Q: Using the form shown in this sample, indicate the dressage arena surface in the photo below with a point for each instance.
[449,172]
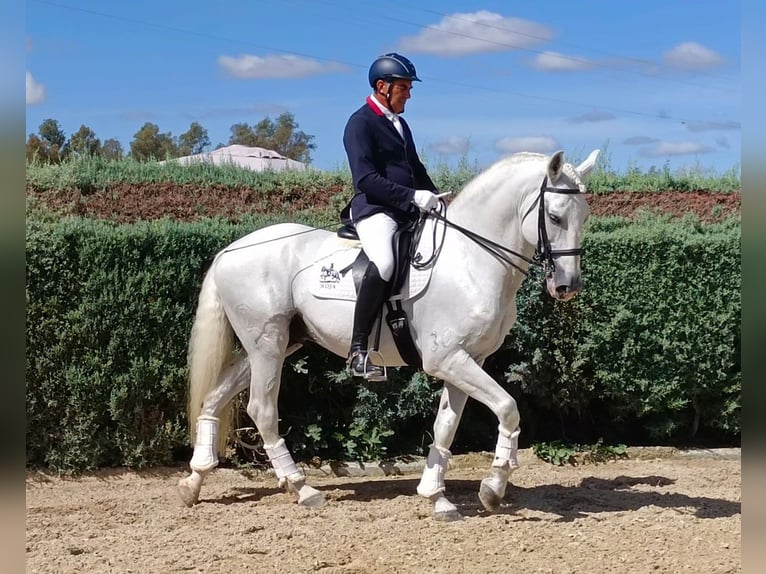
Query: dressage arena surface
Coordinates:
[658,511]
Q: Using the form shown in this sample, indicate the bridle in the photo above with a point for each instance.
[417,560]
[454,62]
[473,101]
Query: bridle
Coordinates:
[543,256]
[543,252]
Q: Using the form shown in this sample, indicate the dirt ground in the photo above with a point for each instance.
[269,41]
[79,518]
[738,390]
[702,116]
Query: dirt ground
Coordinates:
[664,514]
[125,203]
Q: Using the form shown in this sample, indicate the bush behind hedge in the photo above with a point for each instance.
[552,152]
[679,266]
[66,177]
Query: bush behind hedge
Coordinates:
[648,351]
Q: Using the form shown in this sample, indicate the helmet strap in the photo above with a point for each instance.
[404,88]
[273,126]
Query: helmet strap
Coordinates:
[388,96]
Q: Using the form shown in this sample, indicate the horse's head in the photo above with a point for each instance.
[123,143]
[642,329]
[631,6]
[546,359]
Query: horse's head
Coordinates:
[553,221]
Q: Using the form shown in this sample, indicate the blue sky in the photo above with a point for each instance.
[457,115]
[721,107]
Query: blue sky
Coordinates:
[654,82]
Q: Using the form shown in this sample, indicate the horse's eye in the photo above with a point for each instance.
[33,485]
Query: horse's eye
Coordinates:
[555,219]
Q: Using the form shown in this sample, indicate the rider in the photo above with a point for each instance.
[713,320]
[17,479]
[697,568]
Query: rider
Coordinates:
[390,185]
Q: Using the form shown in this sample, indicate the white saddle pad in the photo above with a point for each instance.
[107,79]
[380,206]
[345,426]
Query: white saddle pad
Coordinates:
[331,276]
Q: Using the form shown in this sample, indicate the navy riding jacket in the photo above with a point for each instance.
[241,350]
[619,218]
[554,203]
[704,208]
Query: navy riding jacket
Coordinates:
[385,168]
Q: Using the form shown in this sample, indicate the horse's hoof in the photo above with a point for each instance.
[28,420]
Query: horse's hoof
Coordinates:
[444,510]
[313,499]
[188,494]
[447,516]
[489,498]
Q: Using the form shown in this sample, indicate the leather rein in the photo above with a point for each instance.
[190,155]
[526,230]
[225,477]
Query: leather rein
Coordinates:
[543,256]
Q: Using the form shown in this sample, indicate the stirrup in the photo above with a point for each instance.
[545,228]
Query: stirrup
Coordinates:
[369,371]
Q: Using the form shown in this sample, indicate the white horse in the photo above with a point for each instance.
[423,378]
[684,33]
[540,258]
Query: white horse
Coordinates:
[259,289]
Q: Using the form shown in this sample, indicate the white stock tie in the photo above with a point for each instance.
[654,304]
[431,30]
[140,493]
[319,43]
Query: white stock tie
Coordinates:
[397,125]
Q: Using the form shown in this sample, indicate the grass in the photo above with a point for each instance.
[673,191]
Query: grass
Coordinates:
[87,173]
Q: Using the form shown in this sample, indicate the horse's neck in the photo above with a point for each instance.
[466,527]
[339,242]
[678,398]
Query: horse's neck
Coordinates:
[493,205]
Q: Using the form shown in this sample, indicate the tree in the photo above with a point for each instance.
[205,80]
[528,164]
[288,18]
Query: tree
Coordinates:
[112,149]
[282,136]
[51,132]
[149,143]
[193,141]
[50,143]
[37,150]
[84,142]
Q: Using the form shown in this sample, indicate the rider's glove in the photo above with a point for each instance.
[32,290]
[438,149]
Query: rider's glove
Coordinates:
[425,199]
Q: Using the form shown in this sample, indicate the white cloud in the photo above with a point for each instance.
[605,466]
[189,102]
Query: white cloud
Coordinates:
[35,91]
[556,62]
[276,66]
[591,117]
[712,126]
[692,56]
[640,140]
[540,144]
[451,145]
[476,32]
[665,149]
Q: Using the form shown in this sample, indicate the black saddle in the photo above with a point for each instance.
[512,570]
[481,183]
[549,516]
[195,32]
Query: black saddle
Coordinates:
[348,231]
[397,319]
[402,243]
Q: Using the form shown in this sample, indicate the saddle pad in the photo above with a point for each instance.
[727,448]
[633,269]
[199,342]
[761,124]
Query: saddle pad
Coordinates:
[331,277]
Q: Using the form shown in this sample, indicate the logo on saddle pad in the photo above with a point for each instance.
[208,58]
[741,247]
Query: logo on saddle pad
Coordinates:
[329,275]
[332,274]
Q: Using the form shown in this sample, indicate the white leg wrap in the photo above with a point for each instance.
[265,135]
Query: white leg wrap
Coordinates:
[506,450]
[205,455]
[283,463]
[432,480]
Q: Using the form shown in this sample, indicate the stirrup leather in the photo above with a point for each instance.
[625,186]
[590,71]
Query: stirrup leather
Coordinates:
[360,365]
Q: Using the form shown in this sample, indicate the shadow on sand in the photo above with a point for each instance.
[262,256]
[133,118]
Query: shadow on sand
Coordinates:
[567,503]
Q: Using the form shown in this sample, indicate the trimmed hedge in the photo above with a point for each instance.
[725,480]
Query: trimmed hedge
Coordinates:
[648,351]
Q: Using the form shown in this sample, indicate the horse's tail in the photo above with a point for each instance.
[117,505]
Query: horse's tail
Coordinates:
[210,347]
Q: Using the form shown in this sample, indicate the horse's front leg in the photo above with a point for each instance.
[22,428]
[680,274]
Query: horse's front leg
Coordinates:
[432,482]
[460,370]
[492,488]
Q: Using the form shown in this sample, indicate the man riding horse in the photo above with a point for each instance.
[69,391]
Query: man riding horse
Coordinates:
[390,186]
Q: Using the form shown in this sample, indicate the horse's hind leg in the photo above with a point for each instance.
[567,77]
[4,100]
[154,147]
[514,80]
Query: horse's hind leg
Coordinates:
[432,482]
[231,382]
[266,369]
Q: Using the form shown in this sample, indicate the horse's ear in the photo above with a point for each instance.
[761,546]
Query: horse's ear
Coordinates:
[555,164]
[584,168]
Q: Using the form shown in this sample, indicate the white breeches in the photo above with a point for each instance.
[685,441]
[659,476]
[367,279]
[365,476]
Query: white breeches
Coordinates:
[376,234]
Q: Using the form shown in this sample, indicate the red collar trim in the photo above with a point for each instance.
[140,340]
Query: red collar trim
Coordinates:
[374,106]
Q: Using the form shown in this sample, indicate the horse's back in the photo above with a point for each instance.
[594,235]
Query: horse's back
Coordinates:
[287,233]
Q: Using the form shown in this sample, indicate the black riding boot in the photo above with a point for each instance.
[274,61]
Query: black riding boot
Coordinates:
[373,292]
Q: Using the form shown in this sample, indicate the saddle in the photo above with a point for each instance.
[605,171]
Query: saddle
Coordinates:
[402,243]
[396,318]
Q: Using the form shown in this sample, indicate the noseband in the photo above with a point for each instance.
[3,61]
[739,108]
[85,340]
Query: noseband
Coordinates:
[543,256]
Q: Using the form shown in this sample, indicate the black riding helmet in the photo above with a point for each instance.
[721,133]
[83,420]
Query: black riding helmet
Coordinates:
[393,66]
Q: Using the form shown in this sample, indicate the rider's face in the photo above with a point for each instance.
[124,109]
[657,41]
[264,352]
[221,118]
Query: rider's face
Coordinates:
[400,93]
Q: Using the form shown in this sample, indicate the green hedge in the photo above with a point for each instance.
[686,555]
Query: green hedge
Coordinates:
[650,348]
[649,351]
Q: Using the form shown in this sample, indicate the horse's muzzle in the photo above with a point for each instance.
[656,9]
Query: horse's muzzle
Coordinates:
[563,291]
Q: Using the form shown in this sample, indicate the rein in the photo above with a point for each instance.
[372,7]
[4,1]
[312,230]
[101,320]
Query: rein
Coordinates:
[543,256]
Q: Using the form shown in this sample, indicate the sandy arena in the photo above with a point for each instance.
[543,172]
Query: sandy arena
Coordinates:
[655,512]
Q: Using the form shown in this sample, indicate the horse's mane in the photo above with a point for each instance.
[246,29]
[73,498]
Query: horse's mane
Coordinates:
[477,186]
[569,170]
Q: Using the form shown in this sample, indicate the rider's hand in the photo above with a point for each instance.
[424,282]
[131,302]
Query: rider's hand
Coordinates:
[425,199]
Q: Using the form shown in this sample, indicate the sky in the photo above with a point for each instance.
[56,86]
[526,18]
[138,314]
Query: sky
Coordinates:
[650,83]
